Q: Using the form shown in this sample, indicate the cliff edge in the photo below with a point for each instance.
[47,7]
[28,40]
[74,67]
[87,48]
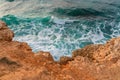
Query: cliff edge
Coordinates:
[93,62]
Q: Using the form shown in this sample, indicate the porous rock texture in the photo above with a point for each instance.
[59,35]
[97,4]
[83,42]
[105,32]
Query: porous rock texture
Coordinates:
[93,62]
[5,33]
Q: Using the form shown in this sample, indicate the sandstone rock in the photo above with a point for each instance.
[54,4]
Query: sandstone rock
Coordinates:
[5,33]
[65,59]
[46,56]
[87,51]
[108,51]
[7,66]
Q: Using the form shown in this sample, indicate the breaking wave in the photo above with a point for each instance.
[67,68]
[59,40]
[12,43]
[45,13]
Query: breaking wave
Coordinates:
[60,29]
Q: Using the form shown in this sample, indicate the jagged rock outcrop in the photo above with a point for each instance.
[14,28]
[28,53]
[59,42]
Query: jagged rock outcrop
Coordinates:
[93,62]
[5,33]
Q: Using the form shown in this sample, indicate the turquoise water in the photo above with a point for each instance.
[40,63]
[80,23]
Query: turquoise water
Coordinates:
[60,30]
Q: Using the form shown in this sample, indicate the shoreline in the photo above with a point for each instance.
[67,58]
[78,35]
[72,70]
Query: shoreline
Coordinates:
[93,62]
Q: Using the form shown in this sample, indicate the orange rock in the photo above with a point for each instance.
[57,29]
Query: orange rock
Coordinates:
[5,33]
[108,51]
[65,59]
[87,51]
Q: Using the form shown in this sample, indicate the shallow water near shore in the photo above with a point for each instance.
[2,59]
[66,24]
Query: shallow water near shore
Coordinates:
[60,29]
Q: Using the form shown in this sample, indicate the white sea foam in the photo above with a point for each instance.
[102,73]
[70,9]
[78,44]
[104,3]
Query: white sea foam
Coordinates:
[56,34]
[59,39]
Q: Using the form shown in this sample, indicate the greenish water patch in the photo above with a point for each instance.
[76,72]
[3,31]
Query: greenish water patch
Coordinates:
[78,12]
[10,0]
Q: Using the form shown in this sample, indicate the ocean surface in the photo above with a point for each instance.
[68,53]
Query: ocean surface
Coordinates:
[61,26]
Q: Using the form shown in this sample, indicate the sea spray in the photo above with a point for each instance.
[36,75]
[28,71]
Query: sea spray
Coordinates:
[61,36]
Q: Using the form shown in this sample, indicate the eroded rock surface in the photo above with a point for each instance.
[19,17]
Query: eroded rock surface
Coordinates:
[93,62]
[5,33]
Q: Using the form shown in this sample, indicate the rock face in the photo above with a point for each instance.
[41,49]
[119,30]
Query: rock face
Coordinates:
[93,62]
[5,33]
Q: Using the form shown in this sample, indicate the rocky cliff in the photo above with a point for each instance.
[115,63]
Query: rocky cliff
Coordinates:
[93,62]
